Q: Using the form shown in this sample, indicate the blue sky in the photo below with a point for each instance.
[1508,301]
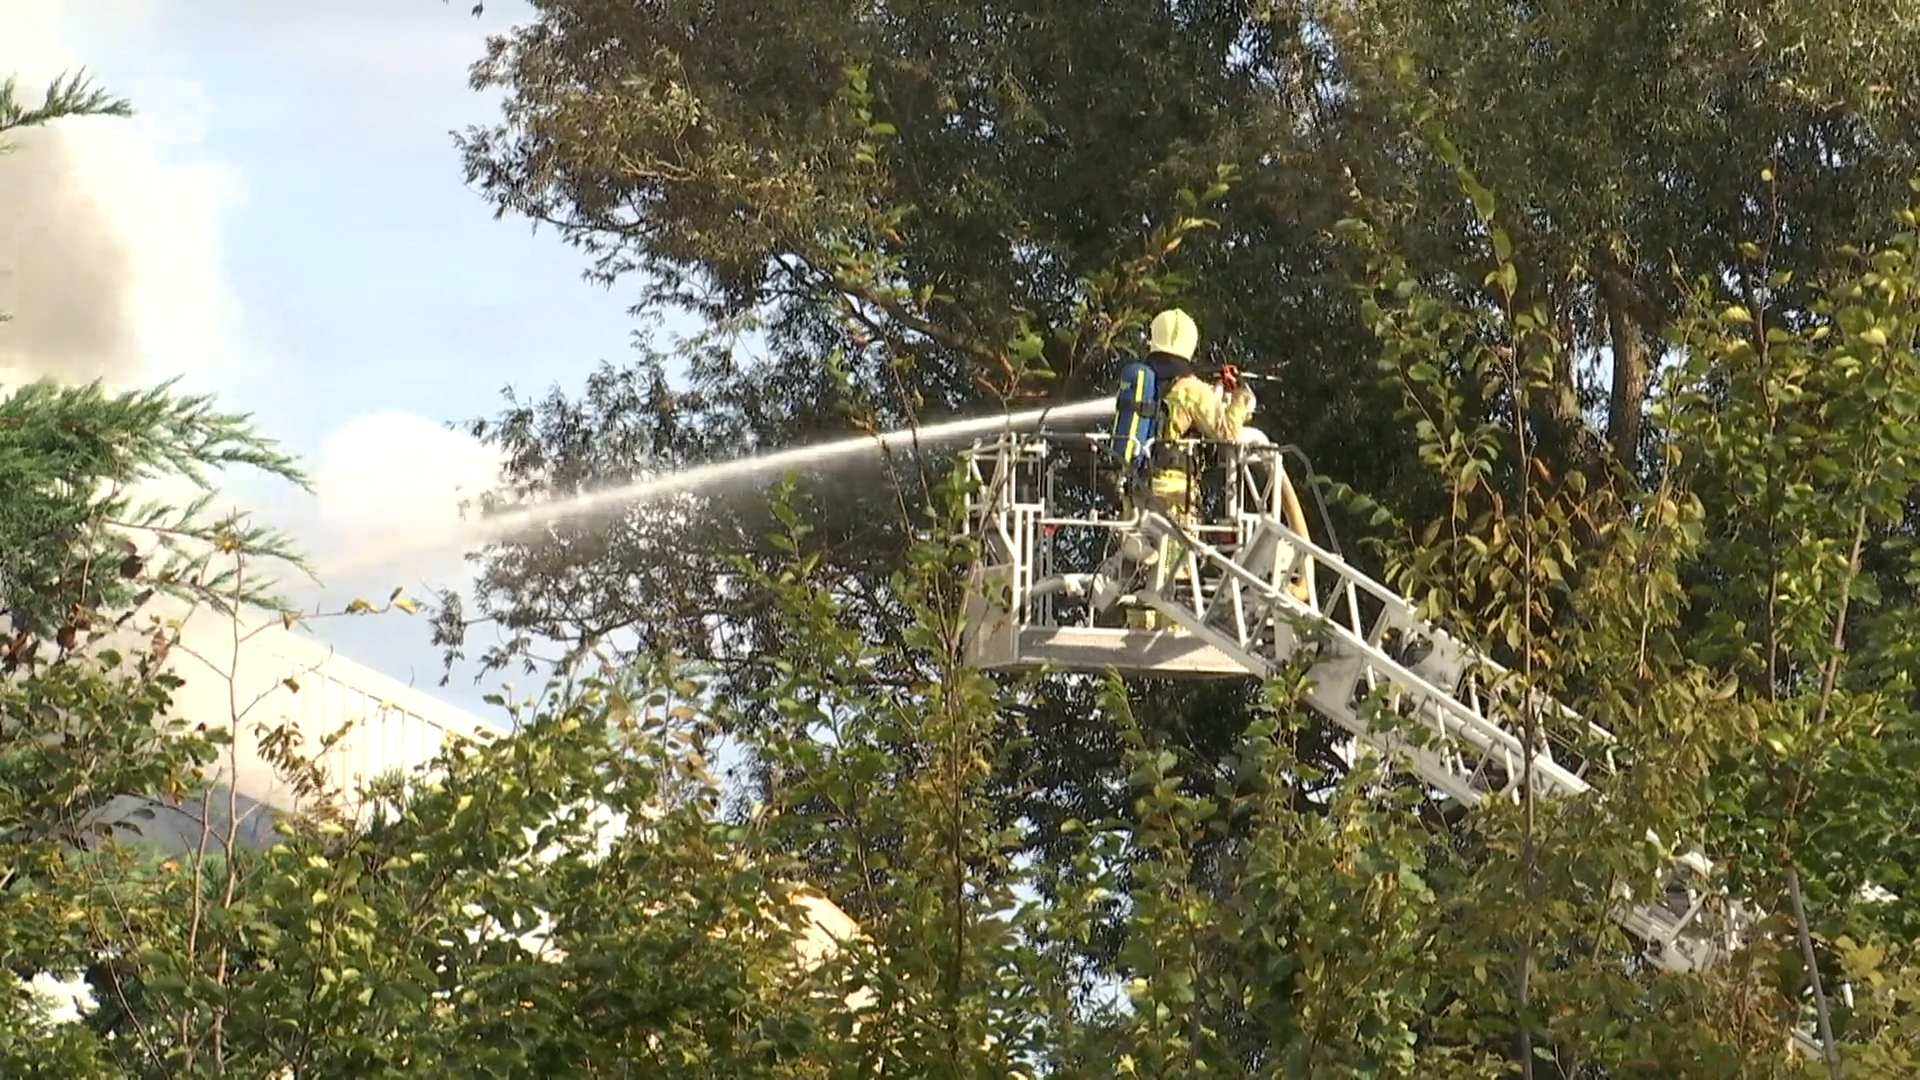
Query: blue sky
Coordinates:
[302,243]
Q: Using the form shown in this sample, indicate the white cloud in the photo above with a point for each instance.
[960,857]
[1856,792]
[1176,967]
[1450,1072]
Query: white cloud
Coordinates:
[391,481]
[113,246]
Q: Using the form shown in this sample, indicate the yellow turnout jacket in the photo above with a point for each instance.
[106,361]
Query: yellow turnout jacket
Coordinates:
[1191,409]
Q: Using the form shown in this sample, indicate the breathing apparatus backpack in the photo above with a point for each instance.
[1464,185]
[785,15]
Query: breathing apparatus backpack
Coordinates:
[1136,415]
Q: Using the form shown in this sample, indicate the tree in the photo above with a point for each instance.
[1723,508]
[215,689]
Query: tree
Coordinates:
[1017,850]
[80,725]
[942,205]
[886,225]
[937,207]
[1712,618]
[560,902]
[1628,139]
[349,948]
[81,550]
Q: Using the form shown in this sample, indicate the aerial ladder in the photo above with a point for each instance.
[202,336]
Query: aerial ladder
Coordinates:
[1249,590]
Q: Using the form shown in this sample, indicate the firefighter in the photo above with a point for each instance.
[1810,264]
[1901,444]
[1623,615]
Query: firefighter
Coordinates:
[1187,407]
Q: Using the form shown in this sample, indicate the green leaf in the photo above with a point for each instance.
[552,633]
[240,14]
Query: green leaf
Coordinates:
[1483,201]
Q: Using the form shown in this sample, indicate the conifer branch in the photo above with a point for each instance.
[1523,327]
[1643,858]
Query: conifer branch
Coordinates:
[69,95]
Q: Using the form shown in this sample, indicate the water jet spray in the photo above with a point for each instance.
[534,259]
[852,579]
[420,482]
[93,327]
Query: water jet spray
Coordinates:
[498,526]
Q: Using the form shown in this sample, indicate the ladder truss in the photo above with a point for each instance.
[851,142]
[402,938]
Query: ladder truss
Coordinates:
[1059,566]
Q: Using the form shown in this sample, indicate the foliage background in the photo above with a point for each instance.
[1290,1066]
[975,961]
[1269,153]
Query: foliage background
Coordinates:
[1603,318]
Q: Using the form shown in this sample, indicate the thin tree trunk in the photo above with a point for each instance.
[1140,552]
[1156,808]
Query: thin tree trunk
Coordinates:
[1630,372]
[1563,402]
[1828,1052]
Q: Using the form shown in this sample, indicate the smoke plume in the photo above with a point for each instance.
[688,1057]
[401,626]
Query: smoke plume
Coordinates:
[65,271]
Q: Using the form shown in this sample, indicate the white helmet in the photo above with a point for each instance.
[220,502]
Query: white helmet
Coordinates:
[1173,332]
